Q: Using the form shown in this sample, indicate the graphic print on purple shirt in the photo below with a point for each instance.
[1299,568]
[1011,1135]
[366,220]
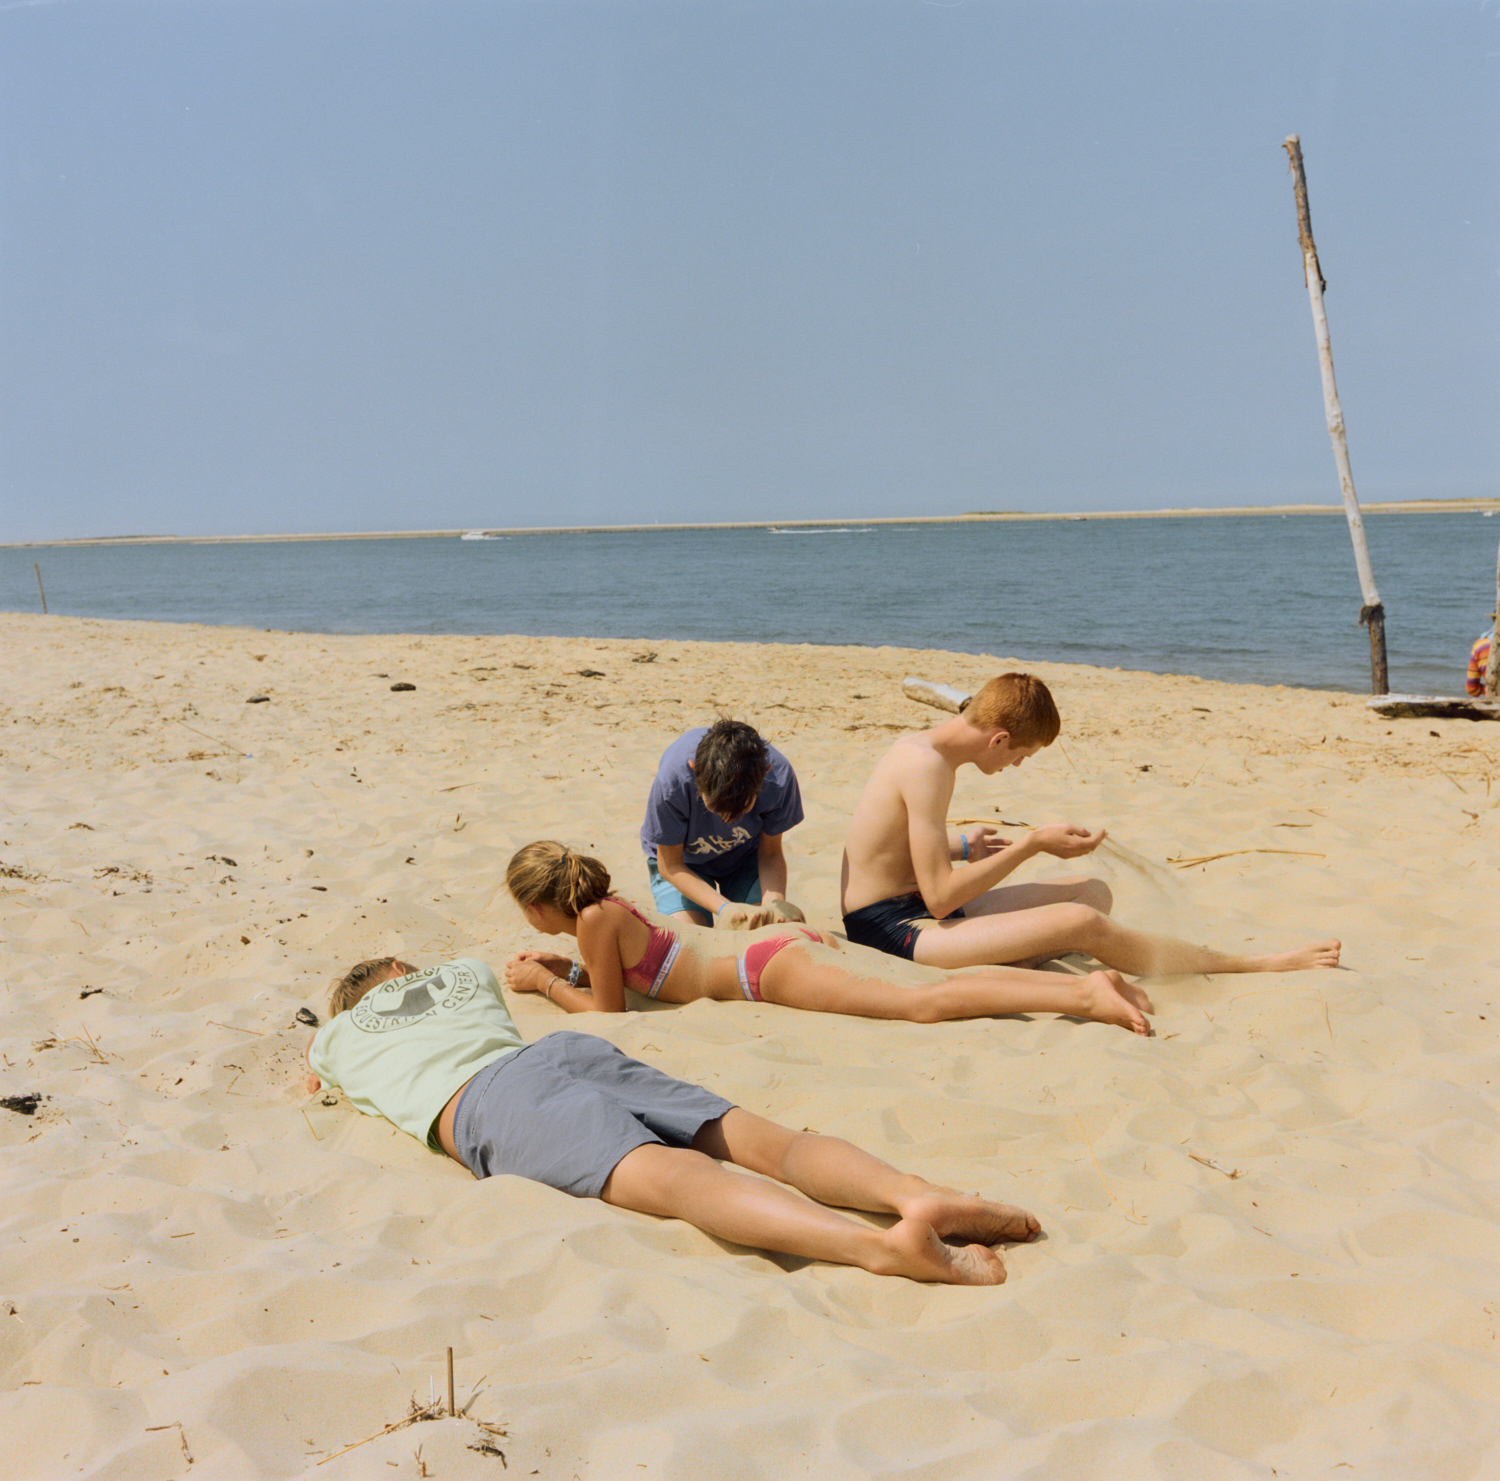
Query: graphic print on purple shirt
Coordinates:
[675,814]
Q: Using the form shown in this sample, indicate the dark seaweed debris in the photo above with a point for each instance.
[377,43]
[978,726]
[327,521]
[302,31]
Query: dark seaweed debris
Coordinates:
[22,1105]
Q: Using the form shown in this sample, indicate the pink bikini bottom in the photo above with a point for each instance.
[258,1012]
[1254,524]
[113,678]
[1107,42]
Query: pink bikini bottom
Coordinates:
[753,963]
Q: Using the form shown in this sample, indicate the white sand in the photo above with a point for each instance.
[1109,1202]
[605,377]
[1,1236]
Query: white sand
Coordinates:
[188,1241]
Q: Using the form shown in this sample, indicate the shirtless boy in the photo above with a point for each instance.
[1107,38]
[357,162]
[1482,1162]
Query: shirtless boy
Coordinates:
[915,891]
[437,1053]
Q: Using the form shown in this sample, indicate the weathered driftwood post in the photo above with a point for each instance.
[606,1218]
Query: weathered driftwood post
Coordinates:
[1372,614]
[1492,669]
[37,568]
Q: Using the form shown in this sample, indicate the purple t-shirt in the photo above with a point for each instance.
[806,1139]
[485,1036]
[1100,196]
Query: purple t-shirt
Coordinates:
[675,813]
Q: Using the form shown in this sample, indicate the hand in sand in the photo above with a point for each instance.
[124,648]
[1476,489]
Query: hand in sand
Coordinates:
[737,917]
[528,971]
[1066,840]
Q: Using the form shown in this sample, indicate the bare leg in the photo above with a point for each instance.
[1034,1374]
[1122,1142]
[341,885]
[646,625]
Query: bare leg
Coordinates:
[677,1182]
[1049,930]
[1075,890]
[837,1172]
[793,979]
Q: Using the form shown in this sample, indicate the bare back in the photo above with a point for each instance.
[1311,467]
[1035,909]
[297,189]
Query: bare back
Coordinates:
[912,783]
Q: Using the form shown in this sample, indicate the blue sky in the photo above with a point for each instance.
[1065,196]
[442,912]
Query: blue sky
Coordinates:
[351,266]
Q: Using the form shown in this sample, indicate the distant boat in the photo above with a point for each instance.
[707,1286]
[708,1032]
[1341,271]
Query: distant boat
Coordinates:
[480,535]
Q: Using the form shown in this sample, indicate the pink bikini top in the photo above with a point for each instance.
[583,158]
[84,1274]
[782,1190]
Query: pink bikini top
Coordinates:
[662,947]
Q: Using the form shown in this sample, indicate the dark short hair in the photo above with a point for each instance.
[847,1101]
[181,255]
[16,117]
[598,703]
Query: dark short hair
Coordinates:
[730,767]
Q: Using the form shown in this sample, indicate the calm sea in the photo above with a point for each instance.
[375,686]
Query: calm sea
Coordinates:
[1256,599]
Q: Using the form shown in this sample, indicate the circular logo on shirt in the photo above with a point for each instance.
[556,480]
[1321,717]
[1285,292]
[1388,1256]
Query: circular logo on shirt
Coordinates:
[407,1000]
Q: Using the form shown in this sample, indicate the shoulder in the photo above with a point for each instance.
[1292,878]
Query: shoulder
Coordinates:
[682,750]
[915,756]
[917,769]
[602,915]
[780,765]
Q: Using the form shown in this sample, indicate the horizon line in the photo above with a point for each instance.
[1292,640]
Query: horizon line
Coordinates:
[978,516]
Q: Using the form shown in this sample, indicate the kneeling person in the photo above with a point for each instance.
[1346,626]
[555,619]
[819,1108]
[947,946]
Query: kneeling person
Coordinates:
[720,803]
[436,1052]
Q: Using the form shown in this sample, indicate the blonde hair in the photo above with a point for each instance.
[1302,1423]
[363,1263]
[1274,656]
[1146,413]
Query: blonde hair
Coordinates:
[548,873]
[357,981]
[1019,704]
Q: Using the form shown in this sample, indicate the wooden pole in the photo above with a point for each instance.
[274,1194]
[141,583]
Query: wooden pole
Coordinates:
[1372,614]
[35,567]
[452,1411]
[1492,668]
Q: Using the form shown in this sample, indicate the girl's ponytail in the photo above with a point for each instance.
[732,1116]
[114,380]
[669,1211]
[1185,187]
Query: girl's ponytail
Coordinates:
[550,873]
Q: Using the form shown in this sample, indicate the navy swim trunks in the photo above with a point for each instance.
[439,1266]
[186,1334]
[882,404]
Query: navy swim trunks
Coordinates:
[891,925]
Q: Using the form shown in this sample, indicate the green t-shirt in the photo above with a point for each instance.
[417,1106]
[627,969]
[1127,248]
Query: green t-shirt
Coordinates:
[406,1047]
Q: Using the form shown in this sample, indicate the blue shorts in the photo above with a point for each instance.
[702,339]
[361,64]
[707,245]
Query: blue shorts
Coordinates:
[564,1111]
[743,886]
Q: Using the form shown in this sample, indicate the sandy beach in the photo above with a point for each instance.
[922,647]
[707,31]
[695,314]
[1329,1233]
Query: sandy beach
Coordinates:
[1271,1230]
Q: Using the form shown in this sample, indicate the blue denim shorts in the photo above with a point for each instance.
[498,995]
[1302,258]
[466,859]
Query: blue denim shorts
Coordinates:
[743,886]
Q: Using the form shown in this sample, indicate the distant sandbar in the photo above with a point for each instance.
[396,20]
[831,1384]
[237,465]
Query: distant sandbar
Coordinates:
[982,516]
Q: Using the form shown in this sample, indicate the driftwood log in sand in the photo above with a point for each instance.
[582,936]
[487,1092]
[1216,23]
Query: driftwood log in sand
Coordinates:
[943,696]
[1434,706]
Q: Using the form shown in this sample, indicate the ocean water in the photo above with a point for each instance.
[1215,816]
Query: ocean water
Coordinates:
[1253,599]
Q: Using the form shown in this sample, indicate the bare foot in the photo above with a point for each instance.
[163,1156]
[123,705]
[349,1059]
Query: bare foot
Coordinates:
[967,1216]
[912,1248]
[1109,998]
[1317,954]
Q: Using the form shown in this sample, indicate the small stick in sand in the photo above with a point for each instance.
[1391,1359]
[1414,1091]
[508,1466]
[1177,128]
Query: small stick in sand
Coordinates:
[452,1411]
[100,1057]
[1235,852]
[215,739]
[259,1033]
[418,1413]
[310,1126]
[176,1424]
[1316,992]
[1217,1166]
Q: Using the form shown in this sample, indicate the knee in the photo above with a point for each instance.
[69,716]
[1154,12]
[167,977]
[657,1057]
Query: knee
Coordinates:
[1083,923]
[928,1007]
[922,1009]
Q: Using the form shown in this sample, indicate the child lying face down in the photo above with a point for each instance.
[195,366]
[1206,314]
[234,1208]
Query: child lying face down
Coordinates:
[435,1051]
